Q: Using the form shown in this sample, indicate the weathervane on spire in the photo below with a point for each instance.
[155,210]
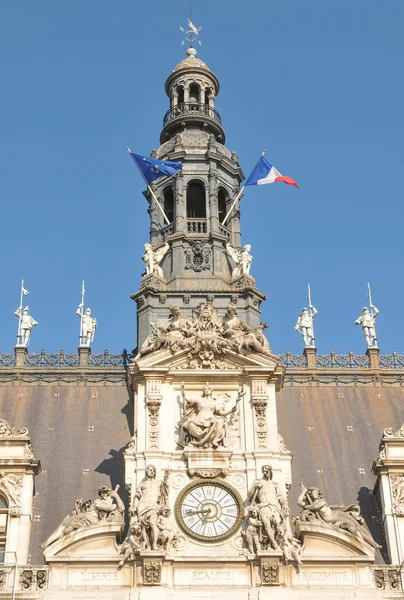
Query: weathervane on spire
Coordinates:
[192,33]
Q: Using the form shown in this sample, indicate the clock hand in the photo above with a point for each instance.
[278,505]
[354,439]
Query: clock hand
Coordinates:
[197,512]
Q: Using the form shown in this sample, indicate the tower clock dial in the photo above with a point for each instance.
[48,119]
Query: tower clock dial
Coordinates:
[209,511]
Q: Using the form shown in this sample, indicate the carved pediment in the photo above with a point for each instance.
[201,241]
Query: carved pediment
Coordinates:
[182,360]
[321,540]
[8,432]
[98,542]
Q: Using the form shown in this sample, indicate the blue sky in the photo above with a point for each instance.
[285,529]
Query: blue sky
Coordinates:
[319,84]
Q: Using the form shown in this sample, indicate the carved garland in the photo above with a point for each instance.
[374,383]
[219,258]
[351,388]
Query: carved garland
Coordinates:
[270,573]
[153,407]
[397,491]
[260,406]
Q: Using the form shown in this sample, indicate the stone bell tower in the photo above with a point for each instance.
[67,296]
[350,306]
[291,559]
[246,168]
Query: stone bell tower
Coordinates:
[197,266]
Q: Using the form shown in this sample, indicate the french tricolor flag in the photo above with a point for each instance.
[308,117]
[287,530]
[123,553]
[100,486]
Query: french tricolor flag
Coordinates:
[264,172]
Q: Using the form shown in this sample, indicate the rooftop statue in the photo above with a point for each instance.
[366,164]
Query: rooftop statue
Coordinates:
[242,258]
[304,325]
[171,335]
[87,323]
[206,337]
[315,508]
[367,320]
[152,259]
[243,336]
[25,326]
[267,497]
[107,508]
[204,423]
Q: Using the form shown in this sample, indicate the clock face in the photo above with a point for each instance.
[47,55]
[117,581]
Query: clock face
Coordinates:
[209,510]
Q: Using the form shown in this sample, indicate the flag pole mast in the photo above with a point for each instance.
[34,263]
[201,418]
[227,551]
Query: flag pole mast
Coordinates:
[83,291]
[20,311]
[236,200]
[151,192]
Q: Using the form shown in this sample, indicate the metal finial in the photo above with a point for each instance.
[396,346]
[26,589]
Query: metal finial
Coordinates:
[192,33]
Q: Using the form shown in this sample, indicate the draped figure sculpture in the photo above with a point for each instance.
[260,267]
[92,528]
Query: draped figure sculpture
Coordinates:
[204,424]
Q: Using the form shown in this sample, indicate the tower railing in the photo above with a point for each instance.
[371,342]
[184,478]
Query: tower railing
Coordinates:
[191,109]
[197,226]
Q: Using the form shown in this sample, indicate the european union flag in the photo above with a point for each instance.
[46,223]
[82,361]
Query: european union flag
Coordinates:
[152,169]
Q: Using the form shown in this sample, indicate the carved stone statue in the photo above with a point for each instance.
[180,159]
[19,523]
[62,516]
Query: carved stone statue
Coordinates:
[205,336]
[171,335]
[397,492]
[348,518]
[367,320]
[25,326]
[168,531]
[291,547]
[135,541]
[12,485]
[242,258]
[243,336]
[88,325]
[150,496]
[252,533]
[152,259]
[304,325]
[108,508]
[204,423]
[266,495]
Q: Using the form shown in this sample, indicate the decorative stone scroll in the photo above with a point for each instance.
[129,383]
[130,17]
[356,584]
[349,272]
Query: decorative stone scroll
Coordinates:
[389,433]
[387,578]
[33,579]
[269,573]
[397,492]
[208,473]
[6,431]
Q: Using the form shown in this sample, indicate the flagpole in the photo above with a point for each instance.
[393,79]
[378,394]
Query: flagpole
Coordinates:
[236,200]
[151,191]
[82,312]
[20,311]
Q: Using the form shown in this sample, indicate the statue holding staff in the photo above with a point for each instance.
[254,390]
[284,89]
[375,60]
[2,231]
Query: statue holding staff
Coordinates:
[87,323]
[304,323]
[25,321]
[367,320]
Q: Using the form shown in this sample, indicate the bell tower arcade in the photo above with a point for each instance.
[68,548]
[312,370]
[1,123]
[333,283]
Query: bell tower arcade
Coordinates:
[198,264]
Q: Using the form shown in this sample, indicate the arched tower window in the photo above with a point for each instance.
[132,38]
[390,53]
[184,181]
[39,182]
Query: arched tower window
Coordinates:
[169,204]
[180,91]
[3,527]
[221,201]
[194,94]
[196,201]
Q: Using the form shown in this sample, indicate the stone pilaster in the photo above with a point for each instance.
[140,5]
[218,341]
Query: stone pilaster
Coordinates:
[310,354]
[373,354]
[20,354]
[84,355]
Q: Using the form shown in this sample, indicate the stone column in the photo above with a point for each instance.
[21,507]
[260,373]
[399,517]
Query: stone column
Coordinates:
[213,202]
[310,354]
[186,93]
[202,96]
[180,207]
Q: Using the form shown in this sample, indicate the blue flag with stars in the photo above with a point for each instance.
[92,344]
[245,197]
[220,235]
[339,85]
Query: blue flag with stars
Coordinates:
[152,169]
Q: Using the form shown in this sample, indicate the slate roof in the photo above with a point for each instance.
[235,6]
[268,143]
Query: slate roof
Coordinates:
[332,431]
[59,420]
